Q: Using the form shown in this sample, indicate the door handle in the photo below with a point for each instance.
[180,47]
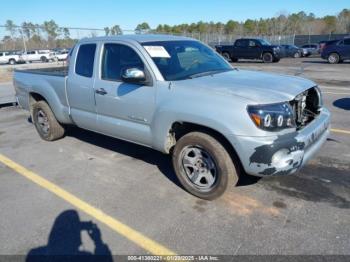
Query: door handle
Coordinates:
[101,91]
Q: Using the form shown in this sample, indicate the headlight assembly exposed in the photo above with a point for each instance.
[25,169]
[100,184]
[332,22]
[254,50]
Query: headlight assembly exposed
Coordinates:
[272,117]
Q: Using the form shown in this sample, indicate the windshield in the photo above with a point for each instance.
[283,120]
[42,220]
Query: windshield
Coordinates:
[178,60]
[264,42]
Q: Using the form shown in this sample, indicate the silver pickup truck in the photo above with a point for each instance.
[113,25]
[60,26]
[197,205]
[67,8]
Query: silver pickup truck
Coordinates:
[178,96]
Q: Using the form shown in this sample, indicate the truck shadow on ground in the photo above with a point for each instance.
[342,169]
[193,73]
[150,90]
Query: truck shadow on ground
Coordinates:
[65,241]
[342,103]
[148,155]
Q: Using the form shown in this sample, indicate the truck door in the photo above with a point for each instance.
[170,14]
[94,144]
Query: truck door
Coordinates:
[124,110]
[254,49]
[241,48]
[80,83]
[344,48]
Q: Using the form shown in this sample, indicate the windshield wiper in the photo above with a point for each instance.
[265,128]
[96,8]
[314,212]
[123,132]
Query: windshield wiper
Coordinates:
[212,72]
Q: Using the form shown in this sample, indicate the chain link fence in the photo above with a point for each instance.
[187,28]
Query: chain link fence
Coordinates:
[39,37]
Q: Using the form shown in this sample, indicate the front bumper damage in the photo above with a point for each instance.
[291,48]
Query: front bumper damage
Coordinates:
[282,154]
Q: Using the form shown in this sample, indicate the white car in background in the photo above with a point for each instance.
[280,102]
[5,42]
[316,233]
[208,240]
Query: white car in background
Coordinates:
[38,55]
[8,57]
[61,55]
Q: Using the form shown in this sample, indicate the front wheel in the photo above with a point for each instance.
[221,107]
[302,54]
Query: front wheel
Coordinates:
[333,58]
[297,55]
[203,166]
[12,61]
[267,58]
[45,122]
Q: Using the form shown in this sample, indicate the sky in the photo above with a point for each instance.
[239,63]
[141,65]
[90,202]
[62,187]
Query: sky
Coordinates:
[128,13]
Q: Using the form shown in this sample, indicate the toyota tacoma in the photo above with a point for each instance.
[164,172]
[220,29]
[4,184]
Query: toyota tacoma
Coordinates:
[178,96]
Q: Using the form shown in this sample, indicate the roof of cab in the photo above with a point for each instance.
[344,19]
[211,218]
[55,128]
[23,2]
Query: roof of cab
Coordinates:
[141,38]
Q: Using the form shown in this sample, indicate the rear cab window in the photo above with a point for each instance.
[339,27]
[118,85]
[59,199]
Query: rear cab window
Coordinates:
[84,65]
[242,43]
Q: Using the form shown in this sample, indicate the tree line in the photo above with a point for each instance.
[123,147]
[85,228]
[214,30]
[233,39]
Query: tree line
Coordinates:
[50,35]
[282,24]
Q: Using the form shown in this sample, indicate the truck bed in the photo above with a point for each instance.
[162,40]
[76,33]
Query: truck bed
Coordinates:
[53,71]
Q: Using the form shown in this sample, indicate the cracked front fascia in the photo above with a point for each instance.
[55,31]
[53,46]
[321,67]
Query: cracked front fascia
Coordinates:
[262,156]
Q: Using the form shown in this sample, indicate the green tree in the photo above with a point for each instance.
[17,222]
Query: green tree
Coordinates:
[107,31]
[116,30]
[11,27]
[330,22]
[51,28]
[249,26]
[143,27]
[231,26]
[66,33]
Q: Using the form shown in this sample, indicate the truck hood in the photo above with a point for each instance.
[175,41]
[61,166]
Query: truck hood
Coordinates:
[258,87]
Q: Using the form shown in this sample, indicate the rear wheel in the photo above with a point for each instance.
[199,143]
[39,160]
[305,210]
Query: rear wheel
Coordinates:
[333,58]
[44,59]
[267,58]
[203,165]
[227,56]
[45,122]
[12,61]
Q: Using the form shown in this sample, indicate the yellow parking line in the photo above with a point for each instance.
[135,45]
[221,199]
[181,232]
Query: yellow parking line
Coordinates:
[340,131]
[122,229]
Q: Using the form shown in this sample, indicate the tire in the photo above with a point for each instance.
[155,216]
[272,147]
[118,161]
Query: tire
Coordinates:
[12,61]
[333,58]
[267,58]
[297,55]
[200,150]
[44,59]
[227,56]
[45,122]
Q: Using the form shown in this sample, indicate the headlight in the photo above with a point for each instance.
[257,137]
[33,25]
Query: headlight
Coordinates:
[272,117]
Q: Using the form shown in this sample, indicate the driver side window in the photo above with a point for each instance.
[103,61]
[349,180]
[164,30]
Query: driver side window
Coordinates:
[116,58]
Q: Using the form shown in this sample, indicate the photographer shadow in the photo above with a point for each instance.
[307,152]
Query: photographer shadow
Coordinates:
[65,241]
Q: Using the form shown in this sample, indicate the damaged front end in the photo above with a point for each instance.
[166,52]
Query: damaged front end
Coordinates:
[306,106]
[284,152]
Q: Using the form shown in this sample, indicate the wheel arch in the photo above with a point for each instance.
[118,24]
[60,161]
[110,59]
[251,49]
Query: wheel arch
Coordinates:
[179,128]
[53,102]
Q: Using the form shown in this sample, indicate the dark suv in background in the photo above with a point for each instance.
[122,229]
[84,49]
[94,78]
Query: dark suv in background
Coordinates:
[337,51]
[246,48]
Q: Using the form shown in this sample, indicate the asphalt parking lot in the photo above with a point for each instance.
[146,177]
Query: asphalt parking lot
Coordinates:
[131,193]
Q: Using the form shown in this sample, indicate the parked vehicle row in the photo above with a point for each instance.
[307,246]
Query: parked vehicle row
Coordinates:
[11,58]
[17,57]
[336,51]
[245,48]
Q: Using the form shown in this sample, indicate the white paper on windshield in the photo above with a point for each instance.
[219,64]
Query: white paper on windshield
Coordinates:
[157,51]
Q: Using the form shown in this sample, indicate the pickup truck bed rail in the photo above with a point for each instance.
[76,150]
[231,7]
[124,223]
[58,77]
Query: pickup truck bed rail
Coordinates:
[53,71]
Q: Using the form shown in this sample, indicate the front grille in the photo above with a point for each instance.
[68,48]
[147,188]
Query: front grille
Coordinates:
[306,106]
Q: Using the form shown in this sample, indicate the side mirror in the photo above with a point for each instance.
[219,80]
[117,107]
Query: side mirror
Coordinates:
[133,75]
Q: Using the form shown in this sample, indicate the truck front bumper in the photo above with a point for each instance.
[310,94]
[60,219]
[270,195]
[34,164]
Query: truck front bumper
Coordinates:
[282,154]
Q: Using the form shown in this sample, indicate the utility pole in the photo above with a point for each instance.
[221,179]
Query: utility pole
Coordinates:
[24,41]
